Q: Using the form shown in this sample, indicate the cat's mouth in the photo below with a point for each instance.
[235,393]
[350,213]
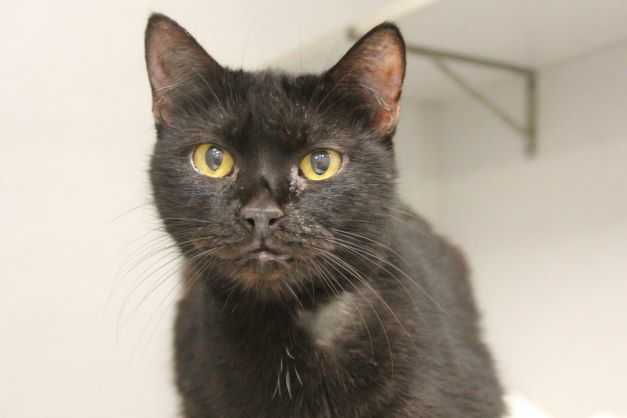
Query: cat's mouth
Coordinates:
[263,253]
[263,263]
[269,256]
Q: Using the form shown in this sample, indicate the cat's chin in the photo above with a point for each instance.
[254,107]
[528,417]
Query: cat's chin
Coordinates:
[264,267]
[268,276]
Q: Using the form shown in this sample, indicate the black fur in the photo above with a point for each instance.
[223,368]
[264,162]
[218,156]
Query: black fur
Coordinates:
[371,314]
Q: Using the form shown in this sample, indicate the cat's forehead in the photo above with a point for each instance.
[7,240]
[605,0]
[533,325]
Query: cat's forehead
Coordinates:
[264,112]
[277,108]
[275,97]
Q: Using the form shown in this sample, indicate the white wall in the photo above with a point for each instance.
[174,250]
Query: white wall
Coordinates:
[419,159]
[546,237]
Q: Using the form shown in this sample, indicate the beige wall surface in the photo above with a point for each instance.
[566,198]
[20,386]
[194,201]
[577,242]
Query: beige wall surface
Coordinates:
[547,236]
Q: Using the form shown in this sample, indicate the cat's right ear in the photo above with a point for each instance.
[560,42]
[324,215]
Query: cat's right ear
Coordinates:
[175,62]
[375,66]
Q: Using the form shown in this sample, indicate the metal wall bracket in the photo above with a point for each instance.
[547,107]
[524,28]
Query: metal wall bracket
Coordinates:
[529,129]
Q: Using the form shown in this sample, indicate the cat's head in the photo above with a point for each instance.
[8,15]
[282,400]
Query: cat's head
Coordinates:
[266,180]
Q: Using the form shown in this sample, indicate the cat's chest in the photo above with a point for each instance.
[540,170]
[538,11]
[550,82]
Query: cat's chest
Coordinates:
[302,366]
[302,348]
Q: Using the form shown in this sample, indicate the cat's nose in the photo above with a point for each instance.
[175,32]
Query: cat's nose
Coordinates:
[262,216]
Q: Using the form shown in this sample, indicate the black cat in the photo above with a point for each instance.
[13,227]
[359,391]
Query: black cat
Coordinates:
[310,290]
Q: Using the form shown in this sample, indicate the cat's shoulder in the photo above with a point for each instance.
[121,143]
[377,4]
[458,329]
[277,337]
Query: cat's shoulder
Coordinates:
[422,244]
[407,223]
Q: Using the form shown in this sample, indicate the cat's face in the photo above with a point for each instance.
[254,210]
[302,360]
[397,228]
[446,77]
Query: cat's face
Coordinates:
[261,177]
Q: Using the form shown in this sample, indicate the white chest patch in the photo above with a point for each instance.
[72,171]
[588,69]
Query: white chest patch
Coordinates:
[329,323]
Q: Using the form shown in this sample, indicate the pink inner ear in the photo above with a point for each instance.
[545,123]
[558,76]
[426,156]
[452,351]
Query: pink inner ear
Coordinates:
[168,48]
[386,119]
[391,77]
[173,58]
[160,79]
[377,63]
[158,75]
[384,76]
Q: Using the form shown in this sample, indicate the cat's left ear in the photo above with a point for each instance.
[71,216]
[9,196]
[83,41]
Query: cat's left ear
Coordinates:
[376,66]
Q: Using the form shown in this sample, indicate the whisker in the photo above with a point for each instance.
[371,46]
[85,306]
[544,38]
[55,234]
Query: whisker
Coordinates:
[411,279]
[147,274]
[360,252]
[206,263]
[126,212]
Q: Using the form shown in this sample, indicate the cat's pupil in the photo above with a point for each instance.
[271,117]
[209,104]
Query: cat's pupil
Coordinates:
[214,158]
[320,161]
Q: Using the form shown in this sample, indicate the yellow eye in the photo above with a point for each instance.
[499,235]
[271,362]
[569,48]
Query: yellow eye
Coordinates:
[321,164]
[212,161]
